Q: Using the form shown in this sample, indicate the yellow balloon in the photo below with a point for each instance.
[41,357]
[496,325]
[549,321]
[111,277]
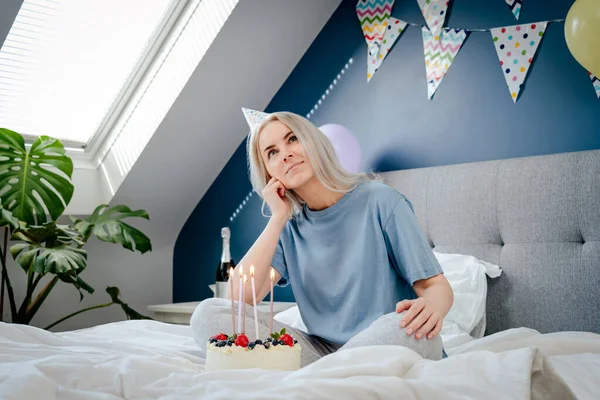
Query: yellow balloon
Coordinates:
[582,32]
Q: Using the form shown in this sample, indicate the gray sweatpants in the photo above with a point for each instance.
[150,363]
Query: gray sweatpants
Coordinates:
[213,316]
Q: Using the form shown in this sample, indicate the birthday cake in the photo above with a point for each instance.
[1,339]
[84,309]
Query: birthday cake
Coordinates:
[278,352]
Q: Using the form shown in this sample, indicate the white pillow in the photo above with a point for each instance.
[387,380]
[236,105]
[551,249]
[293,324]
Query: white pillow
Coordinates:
[467,276]
[466,319]
[292,318]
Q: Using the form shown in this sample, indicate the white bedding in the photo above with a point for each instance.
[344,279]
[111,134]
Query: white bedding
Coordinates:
[150,359]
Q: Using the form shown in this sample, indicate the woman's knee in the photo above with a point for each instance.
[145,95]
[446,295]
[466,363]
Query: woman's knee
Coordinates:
[206,308]
[389,325]
[205,315]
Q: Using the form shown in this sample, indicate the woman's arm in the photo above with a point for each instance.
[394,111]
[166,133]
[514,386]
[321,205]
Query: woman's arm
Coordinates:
[262,251]
[425,314]
[260,255]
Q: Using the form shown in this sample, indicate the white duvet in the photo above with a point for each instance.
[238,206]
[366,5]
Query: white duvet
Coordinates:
[150,359]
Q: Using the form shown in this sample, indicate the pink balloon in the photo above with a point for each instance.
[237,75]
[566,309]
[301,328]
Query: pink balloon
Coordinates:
[345,144]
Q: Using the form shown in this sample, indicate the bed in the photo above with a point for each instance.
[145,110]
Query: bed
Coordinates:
[537,218]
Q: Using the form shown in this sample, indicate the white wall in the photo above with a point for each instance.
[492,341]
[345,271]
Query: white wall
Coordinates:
[250,59]
[91,190]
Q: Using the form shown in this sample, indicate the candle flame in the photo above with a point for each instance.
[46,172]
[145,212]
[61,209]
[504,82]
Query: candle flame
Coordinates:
[272,274]
[245,278]
[241,270]
[252,271]
[230,272]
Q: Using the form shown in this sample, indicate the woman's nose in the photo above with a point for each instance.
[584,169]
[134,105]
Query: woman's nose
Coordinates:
[287,157]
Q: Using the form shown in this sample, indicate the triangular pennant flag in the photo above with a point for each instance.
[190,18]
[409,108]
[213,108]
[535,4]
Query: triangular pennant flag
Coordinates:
[515,7]
[596,83]
[516,47]
[253,117]
[392,33]
[373,16]
[434,12]
[440,51]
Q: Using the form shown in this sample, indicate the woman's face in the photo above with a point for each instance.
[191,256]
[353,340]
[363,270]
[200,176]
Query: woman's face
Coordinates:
[284,156]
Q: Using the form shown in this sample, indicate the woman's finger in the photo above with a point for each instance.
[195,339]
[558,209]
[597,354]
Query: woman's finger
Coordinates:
[412,312]
[436,330]
[404,305]
[419,320]
[270,183]
[279,188]
[427,326]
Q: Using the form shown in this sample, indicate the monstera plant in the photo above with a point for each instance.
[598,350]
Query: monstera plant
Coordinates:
[35,189]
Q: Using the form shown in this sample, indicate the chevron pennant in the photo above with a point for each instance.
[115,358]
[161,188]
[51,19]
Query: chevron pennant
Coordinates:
[516,47]
[440,52]
[596,83]
[373,16]
[434,12]
[392,33]
[253,117]
[515,7]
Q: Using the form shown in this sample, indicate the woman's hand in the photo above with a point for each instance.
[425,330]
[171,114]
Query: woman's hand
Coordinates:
[274,195]
[422,318]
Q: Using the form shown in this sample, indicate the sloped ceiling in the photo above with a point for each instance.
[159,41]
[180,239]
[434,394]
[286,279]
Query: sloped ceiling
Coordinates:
[8,12]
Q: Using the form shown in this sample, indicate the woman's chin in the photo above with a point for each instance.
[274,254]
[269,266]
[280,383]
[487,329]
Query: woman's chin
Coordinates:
[296,181]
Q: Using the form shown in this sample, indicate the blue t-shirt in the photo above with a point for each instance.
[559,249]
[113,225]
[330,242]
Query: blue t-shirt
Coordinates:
[352,262]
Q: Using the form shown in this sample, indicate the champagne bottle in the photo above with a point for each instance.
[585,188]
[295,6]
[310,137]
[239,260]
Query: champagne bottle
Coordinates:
[226,262]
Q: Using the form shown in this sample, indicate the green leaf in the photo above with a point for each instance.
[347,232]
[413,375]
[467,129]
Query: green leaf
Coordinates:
[275,336]
[50,233]
[75,280]
[23,254]
[66,235]
[105,222]
[282,332]
[57,260]
[23,173]
[6,218]
[114,293]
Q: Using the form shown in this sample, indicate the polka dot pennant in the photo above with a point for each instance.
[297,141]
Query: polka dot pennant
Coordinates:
[440,52]
[596,83]
[392,33]
[434,12]
[253,117]
[516,47]
[515,7]
[373,16]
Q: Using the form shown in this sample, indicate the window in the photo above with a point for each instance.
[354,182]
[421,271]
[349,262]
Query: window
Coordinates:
[65,63]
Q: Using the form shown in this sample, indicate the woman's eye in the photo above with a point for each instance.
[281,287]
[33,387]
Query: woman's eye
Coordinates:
[271,153]
[293,138]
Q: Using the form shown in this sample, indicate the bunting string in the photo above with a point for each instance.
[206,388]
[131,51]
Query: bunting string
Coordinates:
[471,30]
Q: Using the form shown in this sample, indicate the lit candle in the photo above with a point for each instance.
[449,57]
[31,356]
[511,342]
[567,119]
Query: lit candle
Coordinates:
[272,280]
[241,293]
[244,310]
[232,303]
[254,300]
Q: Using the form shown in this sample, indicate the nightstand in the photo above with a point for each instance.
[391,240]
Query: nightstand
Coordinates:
[181,313]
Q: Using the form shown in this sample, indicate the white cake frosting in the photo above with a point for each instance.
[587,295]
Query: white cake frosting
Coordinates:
[281,357]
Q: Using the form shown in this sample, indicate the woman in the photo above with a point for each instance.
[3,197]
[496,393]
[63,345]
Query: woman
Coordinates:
[360,267]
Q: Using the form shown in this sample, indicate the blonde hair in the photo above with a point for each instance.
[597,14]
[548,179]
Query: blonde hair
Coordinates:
[318,149]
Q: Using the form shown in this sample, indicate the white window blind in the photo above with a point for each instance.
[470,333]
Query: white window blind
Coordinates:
[64,62]
[164,80]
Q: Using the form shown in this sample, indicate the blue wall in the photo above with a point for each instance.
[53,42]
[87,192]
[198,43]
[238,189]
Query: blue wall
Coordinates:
[471,117]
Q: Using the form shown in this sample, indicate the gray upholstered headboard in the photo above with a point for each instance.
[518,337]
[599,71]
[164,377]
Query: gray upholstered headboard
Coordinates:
[536,217]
